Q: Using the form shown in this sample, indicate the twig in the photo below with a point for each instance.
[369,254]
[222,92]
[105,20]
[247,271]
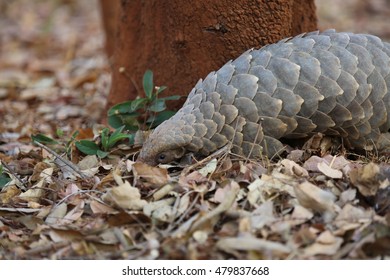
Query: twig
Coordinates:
[48,247]
[20,210]
[223,150]
[72,166]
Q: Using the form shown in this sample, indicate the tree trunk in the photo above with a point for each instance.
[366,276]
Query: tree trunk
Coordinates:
[182,41]
[109,11]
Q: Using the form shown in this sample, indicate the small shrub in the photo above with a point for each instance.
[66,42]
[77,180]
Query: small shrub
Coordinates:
[142,113]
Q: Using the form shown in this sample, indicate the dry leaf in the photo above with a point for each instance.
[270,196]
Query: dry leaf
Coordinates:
[233,189]
[88,162]
[294,169]
[161,210]
[295,155]
[74,214]
[100,208]
[220,194]
[329,171]
[154,175]
[263,215]
[163,192]
[365,179]
[8,193]
[300,215]
[209,168]
[326,244]
[347,196]
[65,235]
[33,194]
[352,217]
[124,196]
[312,197]
[194,180]
[56,214]
[249,243]
[200,236]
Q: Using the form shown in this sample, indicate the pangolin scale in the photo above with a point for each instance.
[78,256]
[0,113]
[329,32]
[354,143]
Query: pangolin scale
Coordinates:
[334,83]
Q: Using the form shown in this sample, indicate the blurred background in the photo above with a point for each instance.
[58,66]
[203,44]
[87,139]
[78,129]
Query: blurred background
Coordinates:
[368,16]
[52,58]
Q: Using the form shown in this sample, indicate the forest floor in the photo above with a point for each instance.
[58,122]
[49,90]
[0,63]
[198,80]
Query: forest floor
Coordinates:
[57,203]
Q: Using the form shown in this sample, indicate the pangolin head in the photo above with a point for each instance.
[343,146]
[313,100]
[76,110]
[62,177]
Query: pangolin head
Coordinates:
[166,144]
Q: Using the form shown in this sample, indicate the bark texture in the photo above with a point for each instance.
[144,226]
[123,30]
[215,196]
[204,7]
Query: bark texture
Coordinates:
[109,11]
[182,41]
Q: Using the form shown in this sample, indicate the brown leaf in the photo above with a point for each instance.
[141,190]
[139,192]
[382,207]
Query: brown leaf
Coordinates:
[8,193]
[233,189]
[165,190]
[195,181]
[352,217]
[162,210]
[124,196]
[249,243]
[86,133]
[296,155]
[312,163]
[312,197]
[263,215]
[300,215]
[74,214]
[156,176]
[56,214]
[326,244]
[294,169]
[365,179]
[329,171]
[65,235]
[100,208]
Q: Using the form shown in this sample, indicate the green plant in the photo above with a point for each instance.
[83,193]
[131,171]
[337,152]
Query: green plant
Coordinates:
[4,178]
[107,141]
[59,146]
[145,112]
[41,138]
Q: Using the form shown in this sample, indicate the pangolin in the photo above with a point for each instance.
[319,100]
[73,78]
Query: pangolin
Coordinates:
[328,82]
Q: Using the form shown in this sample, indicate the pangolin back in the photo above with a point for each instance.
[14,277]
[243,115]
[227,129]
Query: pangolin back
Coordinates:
[333,83]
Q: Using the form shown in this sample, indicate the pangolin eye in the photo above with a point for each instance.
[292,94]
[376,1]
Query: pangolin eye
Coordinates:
[161,157]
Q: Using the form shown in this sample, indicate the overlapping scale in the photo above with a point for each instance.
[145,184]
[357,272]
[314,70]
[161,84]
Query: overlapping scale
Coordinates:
[329,82]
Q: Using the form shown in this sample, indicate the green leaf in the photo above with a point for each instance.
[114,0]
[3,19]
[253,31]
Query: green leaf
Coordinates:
[101,154]
[148,84]
[116,136]
[160,89]
[87,147]
[173,97]
[43,139]
[158,105]
[138,104]
[121,108]
[105,139]
[4,180]
[115,121]
[59,132]
[127,107]
[128,120]
[156,120]
[131,138]
[74,135]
